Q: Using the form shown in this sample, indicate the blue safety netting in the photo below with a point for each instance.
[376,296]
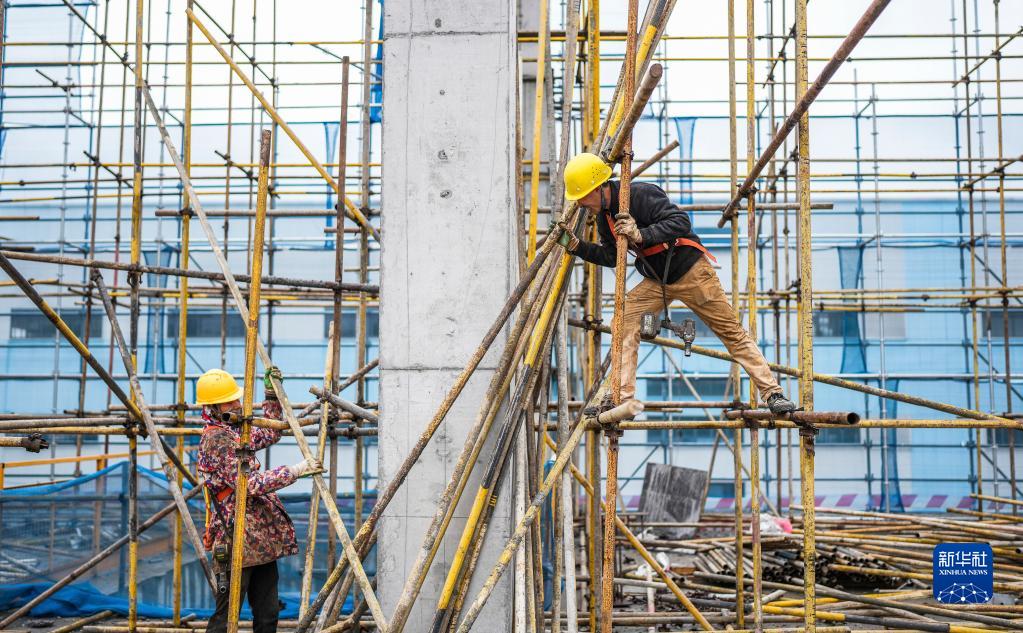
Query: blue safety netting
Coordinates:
[376,90]
[48,530]
[850,264]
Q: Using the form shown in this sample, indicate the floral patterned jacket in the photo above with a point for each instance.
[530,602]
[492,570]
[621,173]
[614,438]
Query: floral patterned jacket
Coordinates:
[269,532]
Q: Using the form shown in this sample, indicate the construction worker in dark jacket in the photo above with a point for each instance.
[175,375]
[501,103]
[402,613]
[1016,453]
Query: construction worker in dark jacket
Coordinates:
[674,266]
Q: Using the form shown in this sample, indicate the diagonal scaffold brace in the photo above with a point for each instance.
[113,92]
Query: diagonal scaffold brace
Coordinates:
[147,419]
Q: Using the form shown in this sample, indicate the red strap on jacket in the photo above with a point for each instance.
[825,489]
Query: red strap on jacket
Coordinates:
[663,246]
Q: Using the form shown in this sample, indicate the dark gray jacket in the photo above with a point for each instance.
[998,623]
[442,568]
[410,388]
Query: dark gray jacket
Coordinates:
[659,220]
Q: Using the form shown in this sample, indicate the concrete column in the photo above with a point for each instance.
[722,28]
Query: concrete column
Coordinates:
[447,264]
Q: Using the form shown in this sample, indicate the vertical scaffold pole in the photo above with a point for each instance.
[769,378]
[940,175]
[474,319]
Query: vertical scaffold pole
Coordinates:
[617,324]
[186,223]
[733,171]
[244,451]
[806,437]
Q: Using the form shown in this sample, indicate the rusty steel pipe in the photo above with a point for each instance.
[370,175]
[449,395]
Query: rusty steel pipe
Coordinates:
[646,90]
[799,417]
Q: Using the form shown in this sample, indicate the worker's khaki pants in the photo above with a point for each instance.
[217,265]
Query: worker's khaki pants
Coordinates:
[701,290]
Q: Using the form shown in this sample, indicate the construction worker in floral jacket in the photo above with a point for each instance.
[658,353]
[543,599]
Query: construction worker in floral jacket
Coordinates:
[269,532]
[672,261]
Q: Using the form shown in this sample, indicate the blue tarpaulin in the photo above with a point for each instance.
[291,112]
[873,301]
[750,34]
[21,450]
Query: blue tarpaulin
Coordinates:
[83,599]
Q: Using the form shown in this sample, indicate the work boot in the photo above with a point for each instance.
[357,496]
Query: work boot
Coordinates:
[779,404]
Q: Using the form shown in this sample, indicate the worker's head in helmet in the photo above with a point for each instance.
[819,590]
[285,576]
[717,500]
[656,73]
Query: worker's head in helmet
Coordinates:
[219,394]
[586,177]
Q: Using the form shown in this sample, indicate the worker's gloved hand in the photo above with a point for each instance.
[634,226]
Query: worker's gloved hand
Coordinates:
[626,227]
[568,238]
[306,467]
[272,372]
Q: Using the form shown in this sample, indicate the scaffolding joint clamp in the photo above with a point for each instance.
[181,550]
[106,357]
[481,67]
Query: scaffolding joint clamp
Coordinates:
[34,442]
[612,431]
[244,452]
[808,431]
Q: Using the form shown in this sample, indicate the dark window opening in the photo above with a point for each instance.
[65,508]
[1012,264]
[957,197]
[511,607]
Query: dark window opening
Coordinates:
[839,436]
[829,324]
[702,329]
[694,436]
[707,388]
[30,323]
[995,321]
[724,489]
[349,319]
[1001,437]
[206,324]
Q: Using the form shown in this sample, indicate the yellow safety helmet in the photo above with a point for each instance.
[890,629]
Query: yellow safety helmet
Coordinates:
[584,173]
[216,387]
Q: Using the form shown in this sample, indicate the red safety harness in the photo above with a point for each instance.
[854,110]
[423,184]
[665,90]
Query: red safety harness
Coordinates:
[663,246]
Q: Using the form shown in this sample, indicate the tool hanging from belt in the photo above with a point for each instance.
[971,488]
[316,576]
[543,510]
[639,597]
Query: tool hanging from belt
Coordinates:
[649,327]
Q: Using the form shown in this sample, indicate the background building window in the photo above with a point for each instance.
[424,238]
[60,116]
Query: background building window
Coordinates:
[657,390]
[30,323]
[894,325]
[1002,437]
[829,324]
[995,321]
[206,324]
[349,318]
[839,436]
[678,316]
[707,388]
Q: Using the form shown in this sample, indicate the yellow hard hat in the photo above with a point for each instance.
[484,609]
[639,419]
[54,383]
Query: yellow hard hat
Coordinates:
[216,387]
[584,173]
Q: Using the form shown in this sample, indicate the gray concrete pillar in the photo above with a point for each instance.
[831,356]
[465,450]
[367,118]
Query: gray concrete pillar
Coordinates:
[446,266]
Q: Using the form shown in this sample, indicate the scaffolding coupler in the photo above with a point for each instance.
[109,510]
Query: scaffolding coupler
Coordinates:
[610,416]
[33,442]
